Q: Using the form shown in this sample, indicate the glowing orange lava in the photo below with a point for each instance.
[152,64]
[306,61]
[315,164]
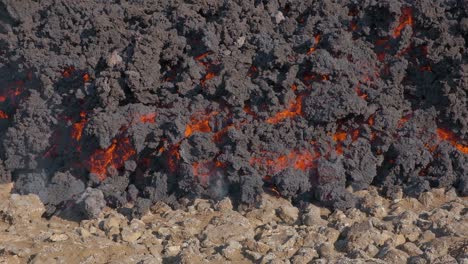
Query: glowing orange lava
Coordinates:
[199,125]
[360,93]
[68,71]
[208,76]
[301,160]
[3,115]
[174,157]
[115,155]
[406,19]
[86,77]
[294,109]
[313,48]
[449,136]
[148,118]
[403,120]
[77,128]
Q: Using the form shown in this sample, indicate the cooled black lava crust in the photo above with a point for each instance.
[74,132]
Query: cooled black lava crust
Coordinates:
[146,101]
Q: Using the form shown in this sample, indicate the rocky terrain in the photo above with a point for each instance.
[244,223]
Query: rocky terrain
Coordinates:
[430,229]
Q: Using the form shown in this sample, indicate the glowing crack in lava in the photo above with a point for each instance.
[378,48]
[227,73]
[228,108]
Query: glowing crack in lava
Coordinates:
[406,19]
[148,118]
[204,169]
[12,93]
[313,48]
[449,136]
[199,125]
[3,115]
[115,155]
[173,158]
[300,160]
[294,109]
[77,128]
[339,137]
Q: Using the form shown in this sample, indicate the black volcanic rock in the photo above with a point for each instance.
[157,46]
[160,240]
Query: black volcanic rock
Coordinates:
[145,101]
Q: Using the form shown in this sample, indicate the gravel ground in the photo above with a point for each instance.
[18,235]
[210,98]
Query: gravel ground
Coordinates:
[430,229]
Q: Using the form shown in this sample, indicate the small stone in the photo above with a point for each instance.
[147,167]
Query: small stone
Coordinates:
[427,236]
[253,255]
[411,249]
[130,236]
[233,251]
[279,17]
[58,237]
[289,214]
[392,255]
[326,250]
[114,59]
[83,232]
[224,205]
[311,215]
[133,232]
[426,198]
[304,255]
[172,250]
[111,222]
[240,41]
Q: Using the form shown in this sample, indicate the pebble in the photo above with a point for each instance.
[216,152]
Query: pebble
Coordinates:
[289,214]
[58,237]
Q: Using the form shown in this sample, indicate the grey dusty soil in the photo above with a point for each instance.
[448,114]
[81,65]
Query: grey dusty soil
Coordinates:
[430,229]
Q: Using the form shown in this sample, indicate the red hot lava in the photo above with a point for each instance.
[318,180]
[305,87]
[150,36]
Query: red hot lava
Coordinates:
[3,115]
[449,136]
[294,109]
[199,125]
[148,118]
[115,155]
[77,128]
[300,160]
[406,19]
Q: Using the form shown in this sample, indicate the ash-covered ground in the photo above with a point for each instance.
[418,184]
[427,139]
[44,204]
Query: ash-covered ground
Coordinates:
[110,102]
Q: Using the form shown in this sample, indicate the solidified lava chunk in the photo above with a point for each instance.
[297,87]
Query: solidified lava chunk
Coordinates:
[137,101]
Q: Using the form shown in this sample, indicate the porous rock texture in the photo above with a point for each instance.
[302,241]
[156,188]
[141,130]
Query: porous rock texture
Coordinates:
[110,102]
[430,229]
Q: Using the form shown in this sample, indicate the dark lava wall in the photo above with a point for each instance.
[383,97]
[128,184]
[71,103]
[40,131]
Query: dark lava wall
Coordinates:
[140,101]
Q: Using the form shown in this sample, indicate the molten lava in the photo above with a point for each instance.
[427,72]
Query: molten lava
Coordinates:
[199,125]
[173,158]
[68,71]
[148,118]
[313,48]
[115,155]
[300,160]
[294,109]
[77,128]
[3,115]
[449,136]
[403,120]
[208,76]
[406,19]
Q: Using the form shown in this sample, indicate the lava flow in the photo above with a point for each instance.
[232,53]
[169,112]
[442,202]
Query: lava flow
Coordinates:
[313,48]
[300,160]
[3,115]
[406,19]
[294,109]
[148,118]
[115,155]
[199,125]
[449,136]
[77,128]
